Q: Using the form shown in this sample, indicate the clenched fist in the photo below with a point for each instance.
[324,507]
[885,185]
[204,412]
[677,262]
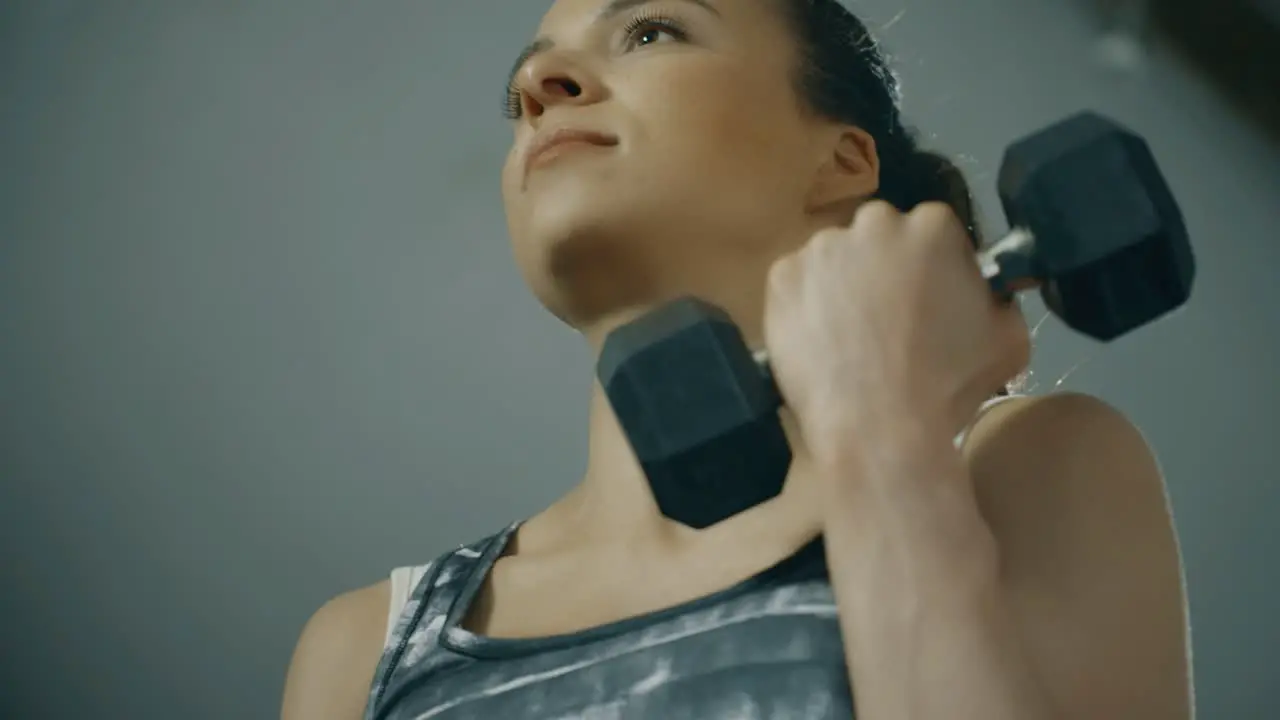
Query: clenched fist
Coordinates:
[888,318]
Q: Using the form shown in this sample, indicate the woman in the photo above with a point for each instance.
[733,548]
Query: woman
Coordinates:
[750,152]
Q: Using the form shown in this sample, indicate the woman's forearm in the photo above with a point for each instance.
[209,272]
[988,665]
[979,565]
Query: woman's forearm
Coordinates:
[928,631]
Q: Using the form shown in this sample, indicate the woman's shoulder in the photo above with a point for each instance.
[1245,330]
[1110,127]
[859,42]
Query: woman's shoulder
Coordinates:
[1064,459]
[1012,422]
[342,642]
[336,654]
[350,621]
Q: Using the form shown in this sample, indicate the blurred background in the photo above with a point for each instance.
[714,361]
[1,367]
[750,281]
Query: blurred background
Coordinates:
[261,338]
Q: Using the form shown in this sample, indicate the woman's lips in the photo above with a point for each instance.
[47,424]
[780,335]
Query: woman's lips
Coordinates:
[549,145]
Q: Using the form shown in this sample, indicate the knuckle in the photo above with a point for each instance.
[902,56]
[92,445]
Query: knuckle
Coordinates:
[876,210]
[934,214]
[943,214]
[823,240]
[822,246]
[879,205]
[779,271]
[936,223]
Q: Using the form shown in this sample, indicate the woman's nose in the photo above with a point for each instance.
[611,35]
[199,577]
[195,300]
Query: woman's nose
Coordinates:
[554,78]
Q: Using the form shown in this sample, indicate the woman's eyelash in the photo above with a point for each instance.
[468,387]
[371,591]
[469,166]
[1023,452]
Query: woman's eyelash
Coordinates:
[512,103]
[650,20]
[637,26]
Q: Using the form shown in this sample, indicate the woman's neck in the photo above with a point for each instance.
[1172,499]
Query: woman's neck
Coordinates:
[613,504]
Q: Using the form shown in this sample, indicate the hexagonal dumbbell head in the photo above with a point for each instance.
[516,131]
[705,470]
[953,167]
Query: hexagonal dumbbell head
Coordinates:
[701,415]
[1111,248]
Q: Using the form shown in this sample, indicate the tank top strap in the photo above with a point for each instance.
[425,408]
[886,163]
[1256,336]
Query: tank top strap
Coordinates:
[421,599]
[403,582]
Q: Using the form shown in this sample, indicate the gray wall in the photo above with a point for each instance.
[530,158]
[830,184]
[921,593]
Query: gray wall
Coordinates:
[261,339]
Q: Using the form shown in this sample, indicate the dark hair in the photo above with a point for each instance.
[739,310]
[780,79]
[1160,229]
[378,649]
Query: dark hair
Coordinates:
[845,76]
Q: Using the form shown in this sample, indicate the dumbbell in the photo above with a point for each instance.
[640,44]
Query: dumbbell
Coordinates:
[1094,227]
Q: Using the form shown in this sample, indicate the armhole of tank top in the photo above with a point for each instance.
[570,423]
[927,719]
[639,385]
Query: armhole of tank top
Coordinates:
[403,581]
[978,415]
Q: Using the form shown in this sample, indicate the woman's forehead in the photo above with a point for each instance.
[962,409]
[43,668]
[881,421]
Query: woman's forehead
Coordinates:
[565,14]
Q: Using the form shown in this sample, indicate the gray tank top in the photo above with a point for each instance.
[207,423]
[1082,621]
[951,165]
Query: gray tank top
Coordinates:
[767,647]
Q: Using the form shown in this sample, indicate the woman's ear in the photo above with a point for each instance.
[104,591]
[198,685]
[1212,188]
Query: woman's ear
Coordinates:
[848,170]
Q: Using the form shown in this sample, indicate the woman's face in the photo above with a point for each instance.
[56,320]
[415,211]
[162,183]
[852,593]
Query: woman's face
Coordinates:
[693,167]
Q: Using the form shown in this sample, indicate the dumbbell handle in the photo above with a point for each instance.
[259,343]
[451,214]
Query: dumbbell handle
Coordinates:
[1008,266]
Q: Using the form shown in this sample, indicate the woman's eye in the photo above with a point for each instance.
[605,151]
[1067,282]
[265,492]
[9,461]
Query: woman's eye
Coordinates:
[648,36]
[651,32]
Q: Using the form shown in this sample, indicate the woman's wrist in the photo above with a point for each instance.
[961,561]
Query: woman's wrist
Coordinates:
[902,484]
[884,443]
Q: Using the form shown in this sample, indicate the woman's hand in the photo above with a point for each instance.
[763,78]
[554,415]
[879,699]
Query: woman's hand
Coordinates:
[888,321]
[954,600]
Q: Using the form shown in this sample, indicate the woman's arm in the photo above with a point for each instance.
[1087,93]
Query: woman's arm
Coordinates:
[333,664]
[1036,576]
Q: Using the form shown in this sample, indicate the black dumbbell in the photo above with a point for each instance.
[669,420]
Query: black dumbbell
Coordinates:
[1095,228]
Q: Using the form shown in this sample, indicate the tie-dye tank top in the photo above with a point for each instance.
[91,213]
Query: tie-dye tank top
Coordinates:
[767,647]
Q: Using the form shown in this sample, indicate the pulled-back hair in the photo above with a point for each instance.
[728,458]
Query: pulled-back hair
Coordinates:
[844,76]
